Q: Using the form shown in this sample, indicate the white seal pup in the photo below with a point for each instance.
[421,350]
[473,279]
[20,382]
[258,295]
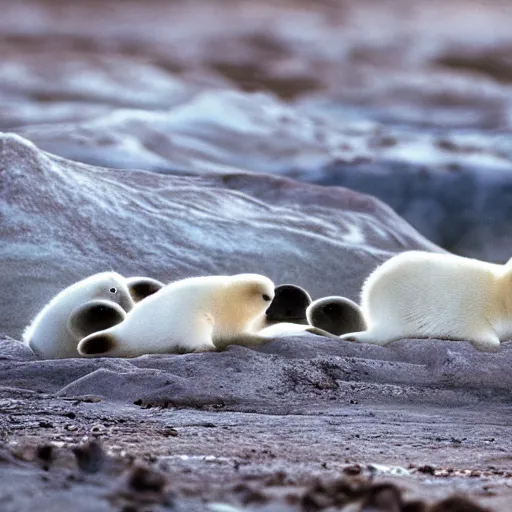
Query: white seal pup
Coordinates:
[337,315]
[51,335]
[289,305]
[98,315]
[428,295]
[192,315]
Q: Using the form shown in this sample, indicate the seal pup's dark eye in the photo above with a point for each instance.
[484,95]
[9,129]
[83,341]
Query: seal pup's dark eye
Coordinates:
[266,298]
[113,290]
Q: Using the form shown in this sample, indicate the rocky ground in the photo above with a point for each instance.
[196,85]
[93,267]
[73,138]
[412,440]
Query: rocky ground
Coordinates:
[295,421]
[174,139]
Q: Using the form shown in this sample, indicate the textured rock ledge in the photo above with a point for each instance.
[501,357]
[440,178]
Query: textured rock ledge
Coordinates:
[430,416]
[63,220]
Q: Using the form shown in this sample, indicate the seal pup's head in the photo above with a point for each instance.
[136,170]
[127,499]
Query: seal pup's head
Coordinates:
[289,305]
[337,315]
[54,334]
[100,314]
[109,286]
[242,299]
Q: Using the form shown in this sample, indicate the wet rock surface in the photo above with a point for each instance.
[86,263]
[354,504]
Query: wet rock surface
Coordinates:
[224,102]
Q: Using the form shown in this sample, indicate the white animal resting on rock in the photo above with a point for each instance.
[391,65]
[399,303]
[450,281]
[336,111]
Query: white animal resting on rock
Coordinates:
[90,305]
[192,315]
[427,295]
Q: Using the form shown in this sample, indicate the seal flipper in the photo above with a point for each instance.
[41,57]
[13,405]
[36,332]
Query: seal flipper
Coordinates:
[97,345]
[93,316]
[142,287]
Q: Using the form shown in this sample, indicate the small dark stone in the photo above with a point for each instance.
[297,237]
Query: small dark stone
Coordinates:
[170,432]
[279,478]
[387,141]
[385,497]
[414,506]
[427,470]
[324,494]
[45,453]
[143,479]
[352,470]
[457,504]
[130,508]
[447,145]
[250,495]
[45,424]
[312,502]
[90,457]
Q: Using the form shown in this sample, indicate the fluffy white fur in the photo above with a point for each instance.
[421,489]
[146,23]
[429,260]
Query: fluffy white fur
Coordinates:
[51,336]
[418,294]
[283,329]
[280,330]
[192,315]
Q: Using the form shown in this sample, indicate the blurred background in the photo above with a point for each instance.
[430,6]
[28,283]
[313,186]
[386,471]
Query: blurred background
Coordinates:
[407,100]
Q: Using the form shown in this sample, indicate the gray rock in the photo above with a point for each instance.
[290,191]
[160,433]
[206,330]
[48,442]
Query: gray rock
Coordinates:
[289,375]
[62,221]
